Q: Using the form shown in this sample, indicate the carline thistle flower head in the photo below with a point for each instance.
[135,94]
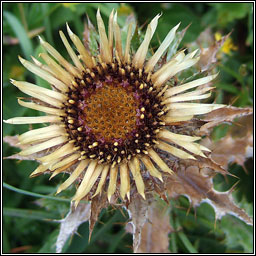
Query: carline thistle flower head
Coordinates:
[111,115]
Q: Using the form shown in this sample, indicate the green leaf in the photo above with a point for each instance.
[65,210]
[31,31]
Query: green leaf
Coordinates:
[80,244]
[60,16]
[237,233]
[49,244]
[244,99]
[21,191]
[181,235]
[228,88]
[31,214]
[228,12]
[195,230]
[173,243]
[180,13]
[173,236]
[11,108]
[249,40]
[186,242]
[20,32]
[232,73]
[44,189]
[47,23]
[6,244]
[219,131]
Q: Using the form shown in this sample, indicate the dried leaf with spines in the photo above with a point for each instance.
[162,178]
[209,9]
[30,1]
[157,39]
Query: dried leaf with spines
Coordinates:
[236,146]
[231,150]
[13,141]
[97,204]
[138,210]
[210,164]
[222,115]
[223,203]
[208,55]
[196,183]
[154,234]
[71,222]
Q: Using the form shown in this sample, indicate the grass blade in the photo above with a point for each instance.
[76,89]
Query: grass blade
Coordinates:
[20,33]
[24,192]
[47,23]
[31,214]
[186,242]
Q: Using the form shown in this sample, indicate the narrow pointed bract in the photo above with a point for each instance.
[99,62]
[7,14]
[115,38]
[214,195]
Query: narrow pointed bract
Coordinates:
[104,44]
[44,74]
[112,182]
[102,179]
[140,55]
[75,174]
[112,116]
[160,51]
[87,59]
[72,54]
[125,181]
[70,68]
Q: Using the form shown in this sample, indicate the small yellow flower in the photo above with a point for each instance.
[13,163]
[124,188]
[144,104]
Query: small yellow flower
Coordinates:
[69,5]
[228,45]
[124,9]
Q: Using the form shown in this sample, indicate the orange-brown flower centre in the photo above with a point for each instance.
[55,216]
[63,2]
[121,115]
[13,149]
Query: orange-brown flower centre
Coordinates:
[111,112]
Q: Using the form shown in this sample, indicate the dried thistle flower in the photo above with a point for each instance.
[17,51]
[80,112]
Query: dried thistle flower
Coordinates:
[123,126]
[112,115]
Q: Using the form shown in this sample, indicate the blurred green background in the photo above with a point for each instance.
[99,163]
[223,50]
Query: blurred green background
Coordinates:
[27,224]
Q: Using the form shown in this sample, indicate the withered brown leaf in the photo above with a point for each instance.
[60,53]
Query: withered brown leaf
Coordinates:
[97,204]
[196,183]
[71,222]
[138,210]
[14,142]
[154,234]
[222,115]
[208,55]
[236,146]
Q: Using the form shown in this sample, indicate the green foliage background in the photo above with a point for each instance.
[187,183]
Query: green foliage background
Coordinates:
[27,223]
